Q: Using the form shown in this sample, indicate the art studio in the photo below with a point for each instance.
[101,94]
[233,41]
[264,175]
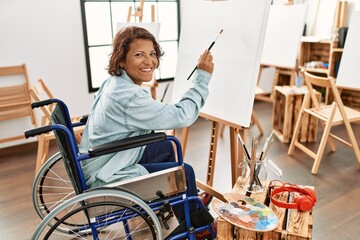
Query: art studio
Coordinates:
[180,119]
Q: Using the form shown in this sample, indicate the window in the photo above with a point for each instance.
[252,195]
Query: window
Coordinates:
[100,19]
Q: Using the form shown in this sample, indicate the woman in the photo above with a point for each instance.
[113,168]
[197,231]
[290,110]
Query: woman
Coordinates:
[122,109]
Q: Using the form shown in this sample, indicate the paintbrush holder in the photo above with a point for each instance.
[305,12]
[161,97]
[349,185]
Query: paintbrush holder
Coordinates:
[254,175]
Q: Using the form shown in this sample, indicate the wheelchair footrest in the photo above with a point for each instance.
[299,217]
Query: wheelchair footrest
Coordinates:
[165,213]
[199,218]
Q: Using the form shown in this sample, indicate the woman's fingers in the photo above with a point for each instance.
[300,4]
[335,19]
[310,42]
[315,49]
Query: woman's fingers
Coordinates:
[206,61]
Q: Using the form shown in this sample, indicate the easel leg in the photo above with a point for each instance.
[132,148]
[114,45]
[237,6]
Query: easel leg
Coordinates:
[207,187]
[212,153]
[236,153]
[233,156]
[183,139]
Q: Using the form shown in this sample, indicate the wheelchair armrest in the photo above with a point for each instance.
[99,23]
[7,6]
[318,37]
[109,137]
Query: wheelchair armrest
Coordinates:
[41,103]
[37,131]
[127,143]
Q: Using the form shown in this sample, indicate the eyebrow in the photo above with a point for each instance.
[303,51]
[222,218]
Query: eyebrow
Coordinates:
[140,51]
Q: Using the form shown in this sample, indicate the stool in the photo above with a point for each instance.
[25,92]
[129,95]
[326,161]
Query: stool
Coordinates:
[287,104]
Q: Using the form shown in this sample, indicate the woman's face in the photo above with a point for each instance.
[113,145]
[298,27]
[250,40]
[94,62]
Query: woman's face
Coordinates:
[141,61]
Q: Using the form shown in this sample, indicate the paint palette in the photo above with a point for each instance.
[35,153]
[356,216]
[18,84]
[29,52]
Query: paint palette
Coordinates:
[245,212]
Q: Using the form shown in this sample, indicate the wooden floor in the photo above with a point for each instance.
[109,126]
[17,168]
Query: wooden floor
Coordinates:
[337,184]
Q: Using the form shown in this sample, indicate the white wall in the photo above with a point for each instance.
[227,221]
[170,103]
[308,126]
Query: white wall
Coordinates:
[47,36]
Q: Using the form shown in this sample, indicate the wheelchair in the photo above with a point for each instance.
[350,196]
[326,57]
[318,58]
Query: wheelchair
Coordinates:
[137,208]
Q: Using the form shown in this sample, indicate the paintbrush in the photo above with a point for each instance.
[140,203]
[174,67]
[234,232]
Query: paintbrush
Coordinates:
[209,48]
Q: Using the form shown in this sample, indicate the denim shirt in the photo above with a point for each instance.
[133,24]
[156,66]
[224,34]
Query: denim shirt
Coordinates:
[123,109]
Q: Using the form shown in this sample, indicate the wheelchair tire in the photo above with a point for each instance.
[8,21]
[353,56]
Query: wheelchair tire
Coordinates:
[105,214]
[52,186]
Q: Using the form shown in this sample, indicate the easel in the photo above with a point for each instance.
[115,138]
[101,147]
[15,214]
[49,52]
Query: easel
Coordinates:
[153,84]
[285,73]
[236,152]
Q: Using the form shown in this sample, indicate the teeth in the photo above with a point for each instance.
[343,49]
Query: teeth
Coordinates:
[145,69]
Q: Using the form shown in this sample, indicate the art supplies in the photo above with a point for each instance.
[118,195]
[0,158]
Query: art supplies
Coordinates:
[248,160]
[209,48]
[246,212]
[253,176]
[254,172]
[266,145]
[243,145]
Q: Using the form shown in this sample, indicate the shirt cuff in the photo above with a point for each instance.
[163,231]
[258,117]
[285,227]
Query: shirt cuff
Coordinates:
[202,77]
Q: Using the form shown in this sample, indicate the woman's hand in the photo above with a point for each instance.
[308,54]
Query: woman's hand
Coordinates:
[206,62]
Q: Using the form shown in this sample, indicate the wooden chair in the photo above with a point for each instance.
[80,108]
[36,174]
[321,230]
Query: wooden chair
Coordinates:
[329,115]
[41,92]
[15,98]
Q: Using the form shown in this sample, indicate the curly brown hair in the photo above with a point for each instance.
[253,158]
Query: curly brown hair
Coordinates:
[121,46]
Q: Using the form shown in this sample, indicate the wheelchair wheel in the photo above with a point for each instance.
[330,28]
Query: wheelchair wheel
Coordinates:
[51,186]
[103,214]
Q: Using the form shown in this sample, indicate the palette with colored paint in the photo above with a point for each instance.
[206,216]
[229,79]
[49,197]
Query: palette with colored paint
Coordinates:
[245,212]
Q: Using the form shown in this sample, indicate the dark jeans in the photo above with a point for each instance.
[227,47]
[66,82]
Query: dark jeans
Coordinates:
[160,156]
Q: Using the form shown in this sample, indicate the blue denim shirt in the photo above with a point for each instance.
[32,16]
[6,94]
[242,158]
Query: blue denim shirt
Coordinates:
[123,109]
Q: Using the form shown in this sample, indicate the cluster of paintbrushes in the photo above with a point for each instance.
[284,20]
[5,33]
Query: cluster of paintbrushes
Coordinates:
[255,161]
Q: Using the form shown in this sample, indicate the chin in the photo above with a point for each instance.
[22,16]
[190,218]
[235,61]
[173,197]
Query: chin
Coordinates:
[147,79]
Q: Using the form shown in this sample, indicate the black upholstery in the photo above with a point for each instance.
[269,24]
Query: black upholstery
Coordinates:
[59,117]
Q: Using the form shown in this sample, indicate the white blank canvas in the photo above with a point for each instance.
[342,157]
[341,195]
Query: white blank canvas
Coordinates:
[348,75]
[283,35]
[236,53]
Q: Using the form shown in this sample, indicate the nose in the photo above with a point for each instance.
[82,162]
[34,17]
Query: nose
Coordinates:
[147,59]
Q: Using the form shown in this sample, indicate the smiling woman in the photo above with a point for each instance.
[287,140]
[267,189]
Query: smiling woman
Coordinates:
[122,109]
[139,58]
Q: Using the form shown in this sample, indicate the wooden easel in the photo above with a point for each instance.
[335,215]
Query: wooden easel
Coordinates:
[281,71]
[139,14]
[236,152]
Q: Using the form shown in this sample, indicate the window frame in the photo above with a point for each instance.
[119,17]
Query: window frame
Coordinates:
[134,3]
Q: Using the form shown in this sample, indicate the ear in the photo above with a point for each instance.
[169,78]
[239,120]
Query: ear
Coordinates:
[122,64]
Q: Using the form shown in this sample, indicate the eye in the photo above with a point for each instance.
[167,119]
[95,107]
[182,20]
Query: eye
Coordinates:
[139,54]
[153,54]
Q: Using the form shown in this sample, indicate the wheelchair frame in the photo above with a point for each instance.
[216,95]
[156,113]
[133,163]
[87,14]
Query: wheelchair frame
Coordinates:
[156,202]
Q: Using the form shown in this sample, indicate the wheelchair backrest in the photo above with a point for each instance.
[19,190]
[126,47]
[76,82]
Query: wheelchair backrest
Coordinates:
[59,116]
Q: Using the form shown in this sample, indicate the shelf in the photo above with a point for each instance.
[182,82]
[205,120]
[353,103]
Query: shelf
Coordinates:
[337,50]
[315,70]
[321,51]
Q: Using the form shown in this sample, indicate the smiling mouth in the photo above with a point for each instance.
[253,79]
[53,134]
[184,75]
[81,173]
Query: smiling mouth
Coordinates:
[146,69]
